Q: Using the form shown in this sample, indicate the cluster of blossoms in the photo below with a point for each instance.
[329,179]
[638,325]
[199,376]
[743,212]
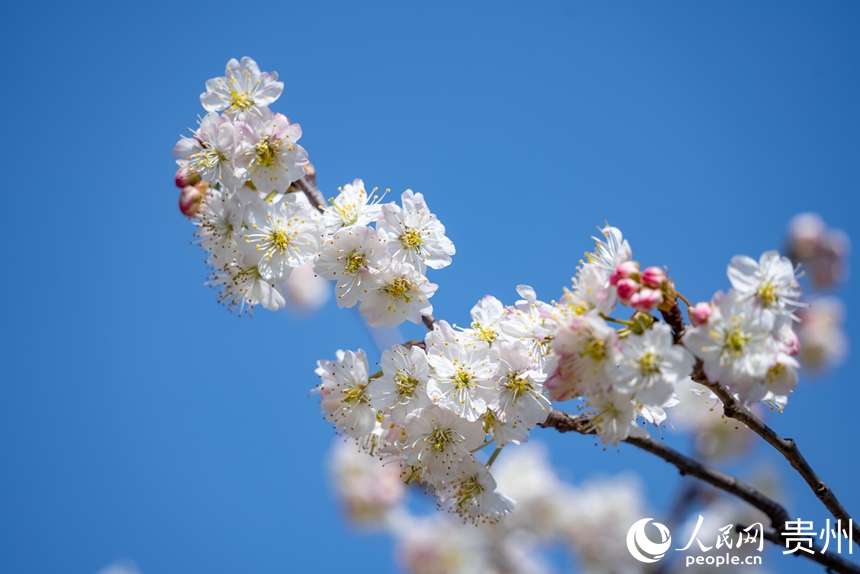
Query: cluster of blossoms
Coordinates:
[239,172]
[745,337]
[588,520]
[435,403]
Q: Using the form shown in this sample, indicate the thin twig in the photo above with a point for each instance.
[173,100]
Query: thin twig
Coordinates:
[733,409]
[776,513]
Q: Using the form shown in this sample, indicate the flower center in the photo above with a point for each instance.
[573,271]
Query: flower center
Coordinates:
[439,438]
[736,340]
[354,394]
[767,293]
[354,262]
[594,349]
[487,334]
[463,379]
[405,385]
[399,289]
[411,239]
[518,385]
[467,490]
[280,239]
[649,364]
[267,152]
[240,102]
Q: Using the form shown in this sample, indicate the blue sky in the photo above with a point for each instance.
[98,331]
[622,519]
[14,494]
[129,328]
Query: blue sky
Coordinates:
[138,419]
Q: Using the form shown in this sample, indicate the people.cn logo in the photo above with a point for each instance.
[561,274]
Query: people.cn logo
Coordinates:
[641,547]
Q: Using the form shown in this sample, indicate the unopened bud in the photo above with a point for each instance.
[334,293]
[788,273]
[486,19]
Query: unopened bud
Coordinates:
[653,277]
[626,289]
[624,270]
[700,314]
[646,300]
[641,322]
[186,176]
[190,200]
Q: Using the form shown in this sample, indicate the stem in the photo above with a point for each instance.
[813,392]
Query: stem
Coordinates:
[482,446]
[493,457]
[271,196]
[619,321]
[564,422]
[375,375]
[684,299]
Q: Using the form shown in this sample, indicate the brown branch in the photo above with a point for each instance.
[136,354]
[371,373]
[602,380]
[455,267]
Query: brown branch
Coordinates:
[308,186]
[733,409]
[776,513]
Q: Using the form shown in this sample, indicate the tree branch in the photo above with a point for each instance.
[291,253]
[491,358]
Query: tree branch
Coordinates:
[776,513]
[733,409]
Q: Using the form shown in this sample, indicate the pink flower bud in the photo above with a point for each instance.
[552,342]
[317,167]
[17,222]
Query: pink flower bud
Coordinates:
[700,314]
[190,201]
[626,289]
[623,271]
[646,300]
[653,277]
[185,177]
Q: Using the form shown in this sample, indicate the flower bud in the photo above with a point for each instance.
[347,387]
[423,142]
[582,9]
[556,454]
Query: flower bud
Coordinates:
[624,270]
[700,314]
[190,200]
[646,300]
[653,277]
[186,176]
[626,289]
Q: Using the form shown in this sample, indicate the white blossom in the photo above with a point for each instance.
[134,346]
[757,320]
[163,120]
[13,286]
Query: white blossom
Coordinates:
[520,397]
[242,89]
[735,344]
[279,236]
[462,377]
[402,388]
[344,389]
[352,206]
[771,281]
[349,257]
[587,355]
[242,286]
[414,235]
[486,316]
[610,251]
[210,151]
[530,321]
[395,294]
[650,365]
[472,494]
[220,227]
[267,153]
[439,439]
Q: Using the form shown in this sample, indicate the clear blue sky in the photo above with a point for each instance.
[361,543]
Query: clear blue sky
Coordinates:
[138,419]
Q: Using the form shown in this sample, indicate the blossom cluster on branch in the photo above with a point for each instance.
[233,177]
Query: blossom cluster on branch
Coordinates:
[432,406]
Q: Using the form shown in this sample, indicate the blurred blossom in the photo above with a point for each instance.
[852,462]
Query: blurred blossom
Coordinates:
[701,415]
[120,567]
[370,490]
[823,343]
[441,545]
[723,511]
[822,251]
[305,291]
[598,516]
[526,475]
